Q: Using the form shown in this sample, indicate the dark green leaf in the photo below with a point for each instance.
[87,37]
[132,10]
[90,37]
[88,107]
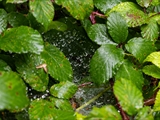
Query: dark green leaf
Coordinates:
[57,25]
[152,70]
[22,39]
[57,64]
[144,3]
[3,20]
[117,27]
[4,66]
[140,48]
[104,63]
[16,1]
[26,66]
[98,33]
[128,72]
[105,113]
[63,90]
[156,106]
[42,10]
[129,96]
[13,95]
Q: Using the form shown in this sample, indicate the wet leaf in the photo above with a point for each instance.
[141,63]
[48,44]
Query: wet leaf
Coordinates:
[128,72]
[42,10]
[26,66]
[104,63]
[63,90]
[152,70]
[4,66]
[3,20]
[117,27]
[98,33]
[144,3]
[156,106]
[140,48]
[16,1]
[106,112]
[79,9]
[13,95]
[129,96]
[22,39]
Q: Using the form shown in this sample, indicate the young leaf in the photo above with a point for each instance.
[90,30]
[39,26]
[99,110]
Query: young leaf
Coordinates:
[42,10]
[3,20]
[154,57]
[104,63]
[98,33]
[12,91]
[79,9]
[144,3]
[57,64]
[156,106]
[16,1]
[117,27]
[152,70]
[26,65]
[129,96]
[128,72]
[140,48]
[63,90]
[131,12]
[106,112]
[22,39]
[4,66]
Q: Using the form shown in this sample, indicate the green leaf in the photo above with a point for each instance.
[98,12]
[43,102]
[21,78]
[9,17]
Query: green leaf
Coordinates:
[4,66]
[155,2]
[26,65]
[144,114]
[22,39]
[57,26]
[79,9]
[156,106]
[154,57]
[17,19]
[3,20]
[104,63]
[117,27]
[131,12]
[150,31]
[106,5]
[63,90]
[98,34]
[129,96]
[128,72]
[12,91]
[152,70]
[105,113]
[42,10]
[57,64]
[16,1]
[140,48]
[144,3]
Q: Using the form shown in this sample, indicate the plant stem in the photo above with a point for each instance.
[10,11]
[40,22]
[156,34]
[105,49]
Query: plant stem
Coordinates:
[93,99]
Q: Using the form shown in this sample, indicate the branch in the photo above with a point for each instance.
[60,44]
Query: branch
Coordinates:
[94,14]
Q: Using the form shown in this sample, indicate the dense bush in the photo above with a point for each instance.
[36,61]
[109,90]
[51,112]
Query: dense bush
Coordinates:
[50,49]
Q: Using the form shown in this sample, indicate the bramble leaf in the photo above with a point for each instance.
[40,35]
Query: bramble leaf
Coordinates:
[128,95]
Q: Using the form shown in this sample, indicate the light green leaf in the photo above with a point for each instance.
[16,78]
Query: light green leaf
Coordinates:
[22,39]
[155,2]
[140,48]
[104,63]
[43,11]
[156,106]
[131,12]
[154,57]
[16,1]
[4,66]
[150,31]
[26,65]
[105,113]
[3,20]
[117,27]
[128,95]
[152,70]
[57,64]
[128,72]
[79,9]
[144,114]
[13,95]
[98,33]
[63,90]
[144,3]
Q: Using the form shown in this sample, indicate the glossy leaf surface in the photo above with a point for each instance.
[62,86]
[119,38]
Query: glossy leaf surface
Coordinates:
[3,20]
[4,66]
[104,63]
[156,106]
[16,1]
[144,3]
